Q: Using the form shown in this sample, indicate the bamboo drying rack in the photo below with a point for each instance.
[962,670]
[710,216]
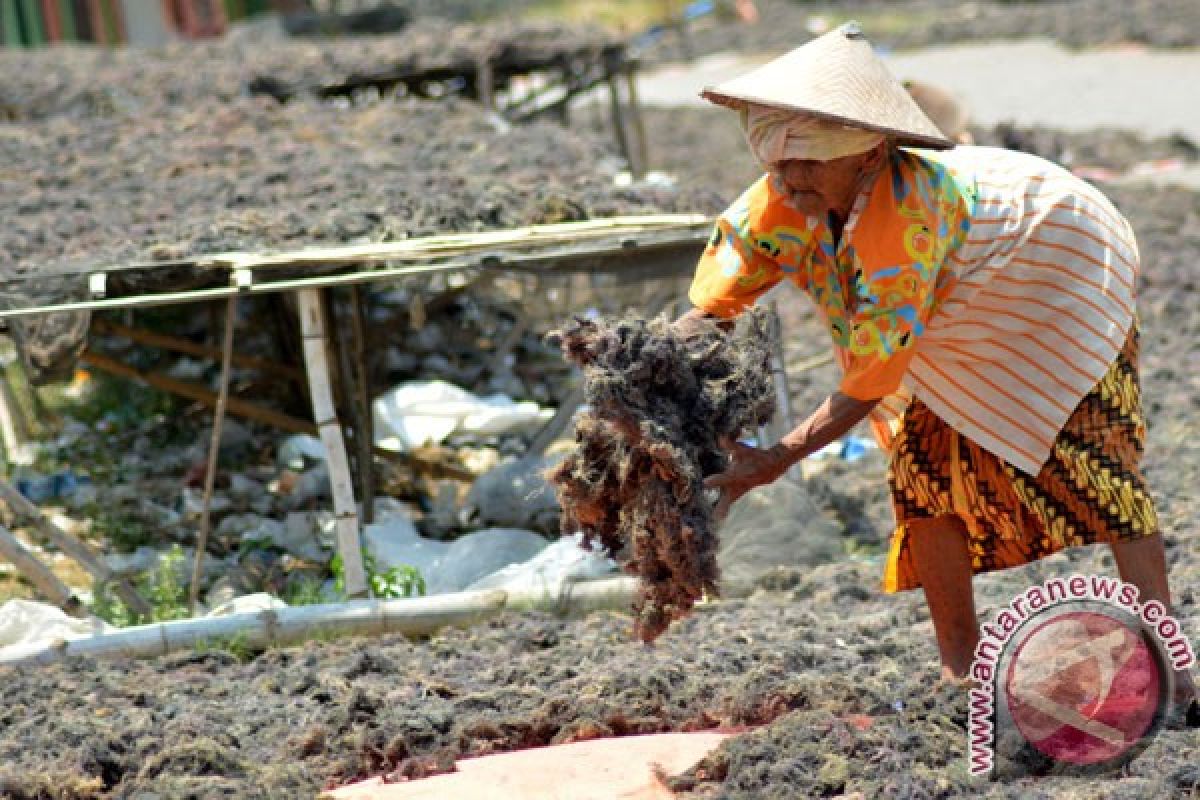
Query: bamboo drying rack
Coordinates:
[646,246]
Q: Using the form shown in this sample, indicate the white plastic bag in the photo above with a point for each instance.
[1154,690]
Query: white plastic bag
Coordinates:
[25,621]
[448,566]
[566,559]
[427,412]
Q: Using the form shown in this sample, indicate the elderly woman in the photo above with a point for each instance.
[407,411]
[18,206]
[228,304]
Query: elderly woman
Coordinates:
[981,304]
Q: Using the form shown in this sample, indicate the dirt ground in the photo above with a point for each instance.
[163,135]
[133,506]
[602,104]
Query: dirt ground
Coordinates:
[837,675]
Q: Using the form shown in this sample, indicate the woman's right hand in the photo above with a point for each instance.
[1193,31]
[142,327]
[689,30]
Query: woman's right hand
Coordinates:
[749,468]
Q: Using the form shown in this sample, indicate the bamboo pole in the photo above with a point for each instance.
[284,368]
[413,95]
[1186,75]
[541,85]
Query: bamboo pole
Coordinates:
[364,439]
[200,394]
[341,377]
[45,581]
[76,548]
[260,629]
[12,427]
[214,450]
[485,83]
[312,326]
[618,119]
[639,123]
[179,345]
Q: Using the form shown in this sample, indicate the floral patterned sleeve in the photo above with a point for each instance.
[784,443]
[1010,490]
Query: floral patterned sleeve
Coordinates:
[738,265]
[893,305]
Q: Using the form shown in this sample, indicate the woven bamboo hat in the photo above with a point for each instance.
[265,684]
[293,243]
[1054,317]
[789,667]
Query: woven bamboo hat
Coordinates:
[838,77]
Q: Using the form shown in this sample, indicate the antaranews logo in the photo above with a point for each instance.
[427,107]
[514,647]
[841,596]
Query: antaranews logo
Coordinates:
[1074,675]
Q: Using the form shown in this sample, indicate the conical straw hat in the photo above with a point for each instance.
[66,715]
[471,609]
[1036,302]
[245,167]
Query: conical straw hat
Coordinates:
[836,76]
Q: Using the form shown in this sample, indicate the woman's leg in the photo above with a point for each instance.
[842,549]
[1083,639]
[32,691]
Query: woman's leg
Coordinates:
[943,565]
[1143,563]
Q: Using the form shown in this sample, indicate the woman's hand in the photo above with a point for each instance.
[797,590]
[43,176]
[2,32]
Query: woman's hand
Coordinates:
[753,467]
[750,467]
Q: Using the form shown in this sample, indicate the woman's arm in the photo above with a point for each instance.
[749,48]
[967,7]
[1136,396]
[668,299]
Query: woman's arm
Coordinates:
[751,466]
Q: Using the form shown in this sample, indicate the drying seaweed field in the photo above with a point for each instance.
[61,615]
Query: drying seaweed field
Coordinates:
[830,684]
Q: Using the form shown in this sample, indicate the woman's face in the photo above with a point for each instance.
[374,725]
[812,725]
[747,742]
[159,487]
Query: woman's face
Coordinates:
[815,188]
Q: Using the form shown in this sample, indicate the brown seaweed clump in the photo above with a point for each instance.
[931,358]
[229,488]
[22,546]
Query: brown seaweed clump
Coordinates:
[658,405]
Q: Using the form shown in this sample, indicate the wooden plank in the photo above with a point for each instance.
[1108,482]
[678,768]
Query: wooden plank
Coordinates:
[50,14]
[31,19]
[46,582]
[74,547]
[66,18]
[116,18]
[95,16]
[200,394]
[316,360]
[82,15]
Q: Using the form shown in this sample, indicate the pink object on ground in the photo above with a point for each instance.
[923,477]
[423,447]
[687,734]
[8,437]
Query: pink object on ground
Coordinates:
[599,769]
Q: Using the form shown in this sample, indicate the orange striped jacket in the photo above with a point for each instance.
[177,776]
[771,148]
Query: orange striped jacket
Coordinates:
[994,285]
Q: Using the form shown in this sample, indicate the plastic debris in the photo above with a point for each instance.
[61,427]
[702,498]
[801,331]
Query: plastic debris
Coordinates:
[428,412]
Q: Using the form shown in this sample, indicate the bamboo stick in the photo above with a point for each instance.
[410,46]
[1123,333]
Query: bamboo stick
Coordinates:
[76,548]
[120,28]
[412,617]
[364,439]
[96,22]
[214,450]
[639,123]
[618,120]
[485,83]
[429,467]
[200,394]
[179,345]
[12,428]
[449,244]
[341,378]
[45,581]
[312,326]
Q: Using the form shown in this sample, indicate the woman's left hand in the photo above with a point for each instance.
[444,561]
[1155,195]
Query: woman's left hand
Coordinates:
[750,467]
